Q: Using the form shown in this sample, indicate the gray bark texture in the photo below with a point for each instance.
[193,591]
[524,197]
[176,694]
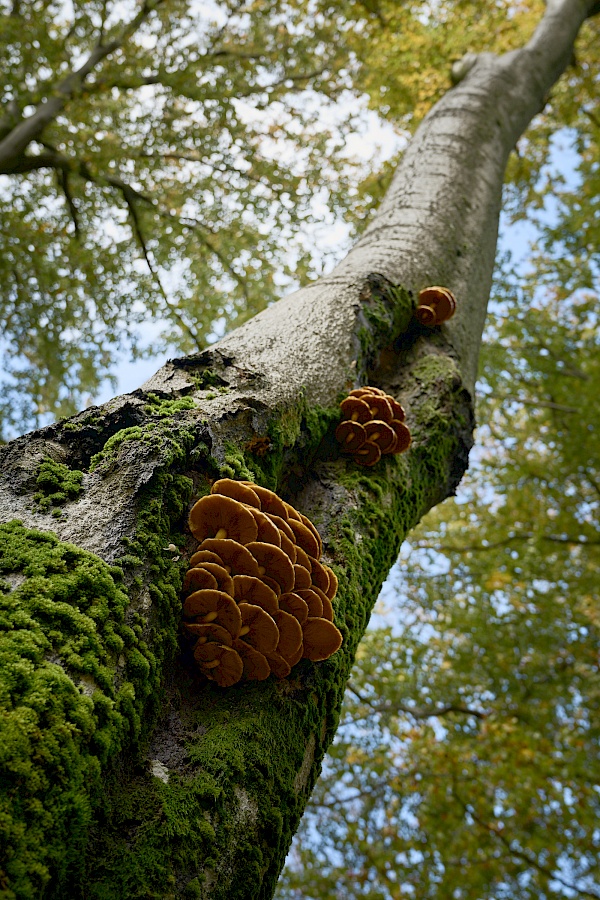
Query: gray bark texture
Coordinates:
[161,785]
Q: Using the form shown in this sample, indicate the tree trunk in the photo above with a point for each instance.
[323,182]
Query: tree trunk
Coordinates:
[124,775]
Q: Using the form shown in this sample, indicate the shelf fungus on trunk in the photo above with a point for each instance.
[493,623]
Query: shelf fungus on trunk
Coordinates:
[373,426]
[436,305]
[257,598]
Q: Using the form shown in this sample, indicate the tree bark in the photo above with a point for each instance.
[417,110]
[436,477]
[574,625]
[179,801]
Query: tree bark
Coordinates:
[124,775]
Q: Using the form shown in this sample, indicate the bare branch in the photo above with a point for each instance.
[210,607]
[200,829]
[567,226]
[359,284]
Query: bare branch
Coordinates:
[130,196]
[417,712]
[520,536]
[63,181]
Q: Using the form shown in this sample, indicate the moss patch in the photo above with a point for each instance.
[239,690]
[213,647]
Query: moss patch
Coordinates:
[81,669]
[57,484]
[160,407]
[73,679]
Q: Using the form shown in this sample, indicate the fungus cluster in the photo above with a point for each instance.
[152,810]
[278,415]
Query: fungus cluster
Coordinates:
[373,425]
[436,305]
[256,597]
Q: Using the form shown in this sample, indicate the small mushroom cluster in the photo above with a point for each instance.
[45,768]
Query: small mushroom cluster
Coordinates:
[436,305]
[256,597]
[373,425]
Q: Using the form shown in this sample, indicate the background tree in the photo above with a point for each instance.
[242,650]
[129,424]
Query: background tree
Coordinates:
[466,765]
[205,804]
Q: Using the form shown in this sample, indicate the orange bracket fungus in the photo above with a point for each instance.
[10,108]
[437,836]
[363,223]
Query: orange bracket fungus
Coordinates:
[373,426]
[436,305]
[257,598]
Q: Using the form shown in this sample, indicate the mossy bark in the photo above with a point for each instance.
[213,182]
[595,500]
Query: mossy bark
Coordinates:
[126,775]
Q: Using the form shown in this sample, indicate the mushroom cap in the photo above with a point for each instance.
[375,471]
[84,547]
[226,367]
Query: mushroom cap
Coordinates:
[234,556]
[222,517]
[363,391]
[197,579]
[268,532]
[214,606]
[301,578]
[356,409]
[397,409]
[294,605]
[288,541]
[297,656]
[350,435]
[274,563]
[380,408]
[306,521]
[305,538]
[279,666]
[221,576]
[289,547]
[403,436]
[201,556]
[290,634]
[269,501]
[331,591]
[303,559]
[327,607]
[321,639]
[291,512]
[381,434]
[270,582]
[318,574]
[440,299]
[368,454]
[282,524]
[374,390]
[256,667]
[227,487]
[258,628]
[253,590]
[312,600]
[426,315]
[228,669]
[210,632]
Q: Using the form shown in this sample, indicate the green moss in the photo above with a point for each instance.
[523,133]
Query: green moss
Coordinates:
[65,706]
[83,421]
[386,311]
[78,680]
[208,378]
[235,465]
[135,432]
[435,369]
[158,407]
[57,484]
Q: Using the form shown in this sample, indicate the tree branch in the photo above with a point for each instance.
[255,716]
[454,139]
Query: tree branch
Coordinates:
[63,182]
[521,536]
[416,712]
[30,129]
[528,858]
[130,196]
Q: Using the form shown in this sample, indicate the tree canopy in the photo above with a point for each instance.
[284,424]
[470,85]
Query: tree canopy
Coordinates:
[161,161]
